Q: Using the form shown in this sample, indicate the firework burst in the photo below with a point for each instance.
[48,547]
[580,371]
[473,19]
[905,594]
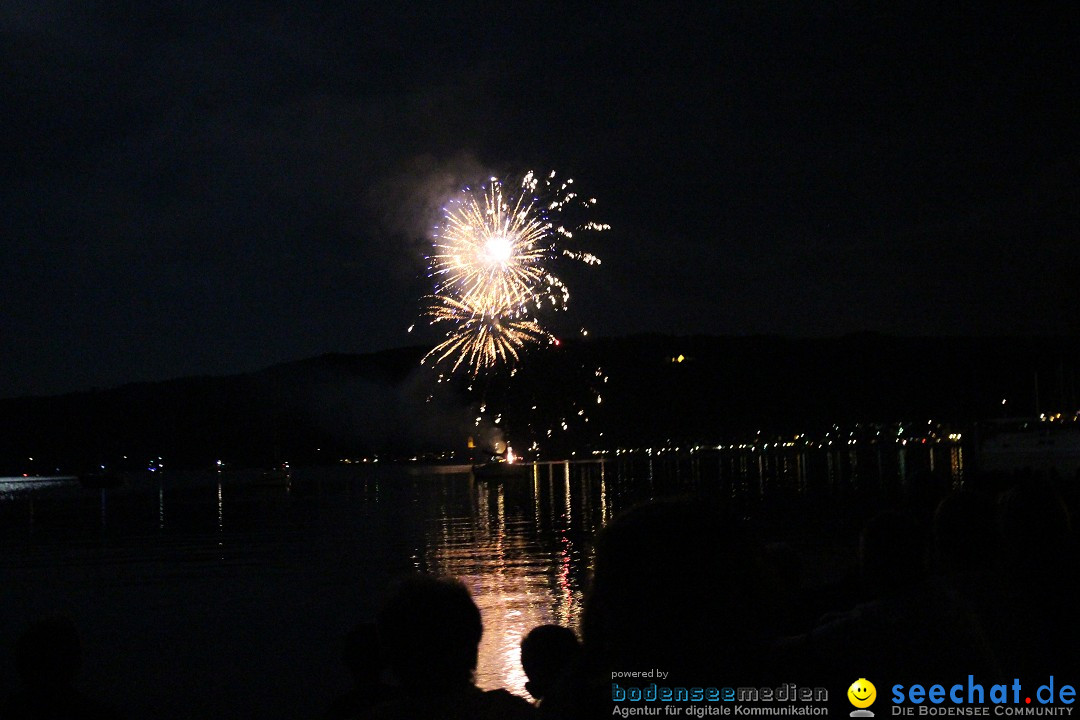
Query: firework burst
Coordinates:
[487,250]
[490,260]
[479,337]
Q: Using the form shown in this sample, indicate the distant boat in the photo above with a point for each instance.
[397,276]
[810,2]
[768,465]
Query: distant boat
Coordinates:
[500,463]
[1035,444]
[497,470]
[277,475]
[273,476]
[100,479]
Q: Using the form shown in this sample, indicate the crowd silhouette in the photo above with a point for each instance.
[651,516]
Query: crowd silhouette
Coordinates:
[975,583]
[367,664]
[48,658]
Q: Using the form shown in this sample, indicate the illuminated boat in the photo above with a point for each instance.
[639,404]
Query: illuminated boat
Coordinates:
[501,463]
[1047,445]
[497,470]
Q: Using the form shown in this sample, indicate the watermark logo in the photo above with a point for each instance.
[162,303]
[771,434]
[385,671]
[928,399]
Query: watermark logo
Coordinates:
[862,694]
[672,699]
[973,698]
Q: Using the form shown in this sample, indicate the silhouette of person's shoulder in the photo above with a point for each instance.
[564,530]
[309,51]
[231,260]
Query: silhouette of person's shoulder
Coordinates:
[468,703]
[356,702]
[582,693]
[363,655]
[504,704]
[48,657]
[69,703]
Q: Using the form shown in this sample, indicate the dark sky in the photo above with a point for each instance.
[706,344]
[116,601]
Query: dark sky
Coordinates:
[190,188]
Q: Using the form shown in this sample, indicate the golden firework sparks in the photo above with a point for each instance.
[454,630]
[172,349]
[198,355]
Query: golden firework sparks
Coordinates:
[480,337]
[488,261]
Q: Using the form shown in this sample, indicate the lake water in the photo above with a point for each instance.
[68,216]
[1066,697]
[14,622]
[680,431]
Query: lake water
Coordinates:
[211,596]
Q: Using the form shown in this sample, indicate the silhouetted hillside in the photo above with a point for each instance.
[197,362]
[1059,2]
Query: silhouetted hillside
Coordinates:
[606,392]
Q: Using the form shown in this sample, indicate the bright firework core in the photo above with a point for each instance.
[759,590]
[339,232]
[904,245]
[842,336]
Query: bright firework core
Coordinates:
[487,251]
[498,249]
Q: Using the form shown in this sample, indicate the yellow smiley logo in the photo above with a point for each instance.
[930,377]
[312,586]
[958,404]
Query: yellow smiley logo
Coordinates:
[862,693]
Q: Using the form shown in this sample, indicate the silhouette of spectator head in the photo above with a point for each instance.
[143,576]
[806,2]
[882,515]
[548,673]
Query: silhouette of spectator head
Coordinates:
[362,654]
[891,554]
[965,537]
[430,628]
[49,653]
[679,584]
[1035,527]
[786,568]
[545,652]
[922,489]
[363,657]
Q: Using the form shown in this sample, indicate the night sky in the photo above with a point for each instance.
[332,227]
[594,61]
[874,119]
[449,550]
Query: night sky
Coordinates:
[205,188]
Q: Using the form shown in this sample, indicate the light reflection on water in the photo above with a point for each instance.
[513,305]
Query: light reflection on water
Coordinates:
[521,549]
[261,581]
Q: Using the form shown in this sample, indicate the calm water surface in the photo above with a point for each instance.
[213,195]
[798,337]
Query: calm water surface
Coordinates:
[211,596]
